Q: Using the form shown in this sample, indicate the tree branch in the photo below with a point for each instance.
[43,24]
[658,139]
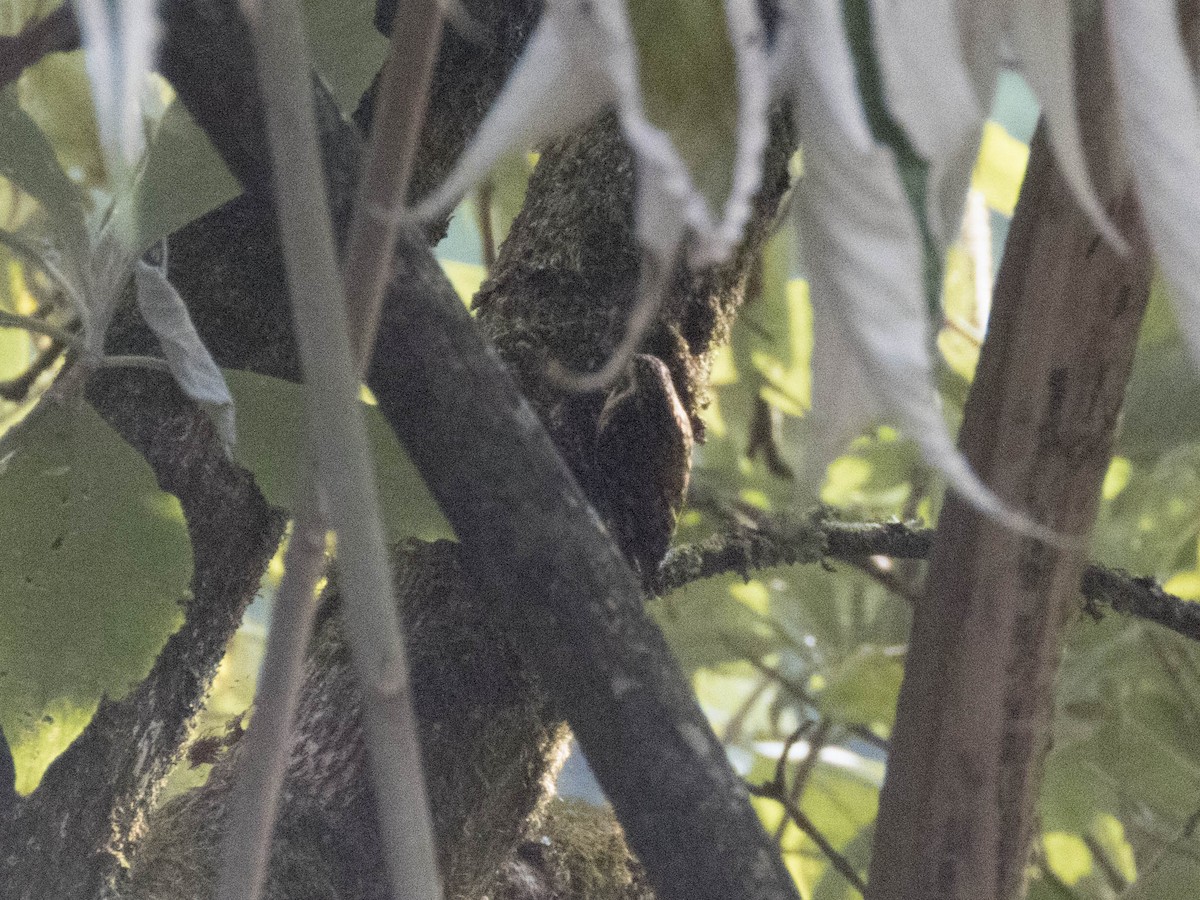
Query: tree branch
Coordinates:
[532,542]
[817,540]
[976,702]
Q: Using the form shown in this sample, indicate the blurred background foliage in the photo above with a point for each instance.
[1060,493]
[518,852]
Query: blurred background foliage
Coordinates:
[94,559]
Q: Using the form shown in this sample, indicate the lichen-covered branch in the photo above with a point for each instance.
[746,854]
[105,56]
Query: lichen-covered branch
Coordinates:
[816,539]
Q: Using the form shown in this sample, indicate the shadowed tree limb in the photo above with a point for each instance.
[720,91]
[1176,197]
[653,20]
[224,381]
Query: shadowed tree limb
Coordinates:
[531,541]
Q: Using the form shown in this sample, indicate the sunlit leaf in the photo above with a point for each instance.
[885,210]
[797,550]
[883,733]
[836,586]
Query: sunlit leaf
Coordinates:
[57,94]
[271,441]
[1000,168]
[466,277]
[864,687]
[1067,856]
[182,179]
[94,561]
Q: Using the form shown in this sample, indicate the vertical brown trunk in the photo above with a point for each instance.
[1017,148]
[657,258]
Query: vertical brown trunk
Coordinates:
[958,807]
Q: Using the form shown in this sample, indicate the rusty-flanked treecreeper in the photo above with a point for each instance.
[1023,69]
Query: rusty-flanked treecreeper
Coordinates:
[643,455]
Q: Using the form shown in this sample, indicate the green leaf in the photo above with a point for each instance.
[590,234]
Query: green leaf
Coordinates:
[183,178]
[57,94]
[346,49]
[688,77]
[94,560]
[833,886]
[707,626]
[1164,389]
[1000,168]
[27,160]
[272,437]
[864,687]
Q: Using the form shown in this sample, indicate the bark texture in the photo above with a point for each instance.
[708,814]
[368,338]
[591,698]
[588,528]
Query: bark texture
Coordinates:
[531,545]
[957,811]
[490,746]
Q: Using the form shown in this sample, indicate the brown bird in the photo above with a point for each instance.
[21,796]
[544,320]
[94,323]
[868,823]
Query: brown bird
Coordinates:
[643,454]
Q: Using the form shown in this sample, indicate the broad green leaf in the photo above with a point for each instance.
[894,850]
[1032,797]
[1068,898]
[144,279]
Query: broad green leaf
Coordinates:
[182,179]
[772,340]
[16,345]
[94,561]
[864,687]
[833,886]
[840,805]
[28,161]
[1109,833]
[56,92]
[346,49]
[1067,856]
[708,627]
[688,78]
[1163,395]
[272,438]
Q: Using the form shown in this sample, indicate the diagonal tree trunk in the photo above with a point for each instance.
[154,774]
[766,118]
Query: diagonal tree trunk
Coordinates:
[958,809]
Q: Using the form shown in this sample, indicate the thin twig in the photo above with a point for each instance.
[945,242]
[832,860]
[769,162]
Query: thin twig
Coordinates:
[337,435]
[254,796]
[487,228]
[1116,881]
[805,824]
[383,187]
[38,326]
